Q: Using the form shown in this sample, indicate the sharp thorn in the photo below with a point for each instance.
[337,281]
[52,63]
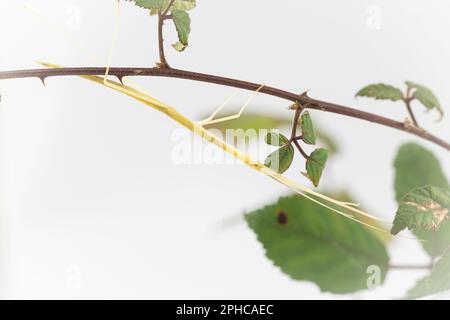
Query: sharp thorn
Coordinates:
[305,93]
[120,78]
[42,80]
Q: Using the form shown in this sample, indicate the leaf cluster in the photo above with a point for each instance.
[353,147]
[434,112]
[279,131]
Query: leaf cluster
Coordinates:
[281,159]
[177,11]
[414,91]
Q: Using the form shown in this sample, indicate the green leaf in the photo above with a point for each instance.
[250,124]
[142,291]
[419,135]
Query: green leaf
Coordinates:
[281,159]
[309,243]
[437,281]
[381,91]
[276,139]
[426,97]
[416,167]
[182,24]
[423,208]
[308,135]
[185,5]
[150,4]
[316,164]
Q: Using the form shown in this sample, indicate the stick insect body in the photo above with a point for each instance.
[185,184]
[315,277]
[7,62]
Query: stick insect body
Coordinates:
[198,128]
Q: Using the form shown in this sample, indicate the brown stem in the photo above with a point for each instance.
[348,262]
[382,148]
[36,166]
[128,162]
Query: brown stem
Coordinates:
[407,101]
[300,149]
[293,139]
[195,76]
[411,267]
[411,114]
[162,16]
[298,112]
[162,56]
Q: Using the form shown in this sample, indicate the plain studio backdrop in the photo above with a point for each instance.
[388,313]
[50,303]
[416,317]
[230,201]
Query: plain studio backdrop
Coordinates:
[92,205]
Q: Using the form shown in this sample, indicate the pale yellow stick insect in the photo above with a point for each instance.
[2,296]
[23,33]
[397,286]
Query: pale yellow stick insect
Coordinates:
[345,209]
[198,129]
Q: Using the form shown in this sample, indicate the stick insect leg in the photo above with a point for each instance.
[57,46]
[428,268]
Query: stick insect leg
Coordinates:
[210,120]
[213,115]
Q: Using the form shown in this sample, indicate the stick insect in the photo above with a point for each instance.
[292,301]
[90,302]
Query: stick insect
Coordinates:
[348,210]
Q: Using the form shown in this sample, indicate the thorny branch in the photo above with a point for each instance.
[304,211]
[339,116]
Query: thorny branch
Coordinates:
[163,69]
[202,77]
[302,101]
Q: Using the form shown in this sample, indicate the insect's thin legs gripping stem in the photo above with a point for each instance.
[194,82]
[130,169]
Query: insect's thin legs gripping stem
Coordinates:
[211,119]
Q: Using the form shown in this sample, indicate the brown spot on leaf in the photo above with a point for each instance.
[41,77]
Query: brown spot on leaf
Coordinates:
[282,218]
[439,213]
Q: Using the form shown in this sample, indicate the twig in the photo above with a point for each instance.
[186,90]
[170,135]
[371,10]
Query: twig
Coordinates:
[298,112]
[299,148]
[293,138]
[195,76]
[162,56]
[412,267]
[162,16]
[407,101]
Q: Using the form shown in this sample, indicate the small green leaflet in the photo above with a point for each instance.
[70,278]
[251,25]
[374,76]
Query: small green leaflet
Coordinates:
[308,135]
[426,97]
[182,24]
[381,91]
[179,16]
[150,4]
[308,243]
[316,164]
[276,139]
[185,5]
[281,159]
[437,281]
[423,208]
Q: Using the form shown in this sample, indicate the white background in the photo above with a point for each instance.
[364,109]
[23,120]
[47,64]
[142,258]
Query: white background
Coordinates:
[92,205]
